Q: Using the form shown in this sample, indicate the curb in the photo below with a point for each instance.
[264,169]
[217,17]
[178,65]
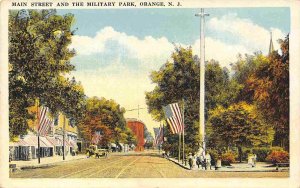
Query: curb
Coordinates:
[45,165]
[223,170]
[181,165]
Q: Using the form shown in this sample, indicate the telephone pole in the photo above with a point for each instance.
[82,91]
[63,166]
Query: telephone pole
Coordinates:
[202,81]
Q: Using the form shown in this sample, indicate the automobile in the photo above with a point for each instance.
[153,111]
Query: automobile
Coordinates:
[94,150]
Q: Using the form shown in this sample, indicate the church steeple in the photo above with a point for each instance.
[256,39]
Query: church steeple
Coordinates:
[271,47]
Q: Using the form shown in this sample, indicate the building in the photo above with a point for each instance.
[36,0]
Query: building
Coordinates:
[26,147]
[137,127]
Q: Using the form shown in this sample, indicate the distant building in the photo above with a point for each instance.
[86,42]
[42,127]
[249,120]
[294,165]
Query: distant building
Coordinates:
[137,128]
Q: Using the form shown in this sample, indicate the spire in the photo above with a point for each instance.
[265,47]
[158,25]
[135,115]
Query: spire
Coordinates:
[271,47]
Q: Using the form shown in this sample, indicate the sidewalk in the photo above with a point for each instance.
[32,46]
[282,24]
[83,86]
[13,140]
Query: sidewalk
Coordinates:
[47,161]
[236,167]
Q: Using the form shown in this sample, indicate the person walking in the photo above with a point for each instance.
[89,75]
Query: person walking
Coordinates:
[208,161]
[190,161]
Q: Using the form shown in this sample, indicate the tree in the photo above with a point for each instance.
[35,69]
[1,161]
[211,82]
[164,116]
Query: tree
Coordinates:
[243,69]
[239,125]
[178,80]
[174,82]
[264,82]
[39,58]
[106,117]
[270,86]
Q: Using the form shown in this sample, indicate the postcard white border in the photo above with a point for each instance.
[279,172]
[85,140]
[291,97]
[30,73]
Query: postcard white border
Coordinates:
[292,181]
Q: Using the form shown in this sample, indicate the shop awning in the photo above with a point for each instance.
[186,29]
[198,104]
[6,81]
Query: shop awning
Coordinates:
[21,142]
[45,142]
[67,144]
[54,141]
[32,140]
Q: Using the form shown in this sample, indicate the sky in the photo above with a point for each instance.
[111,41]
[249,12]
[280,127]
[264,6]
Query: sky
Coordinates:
[118,48]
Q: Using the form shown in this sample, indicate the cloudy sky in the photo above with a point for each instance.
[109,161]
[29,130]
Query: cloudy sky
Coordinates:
[117,49]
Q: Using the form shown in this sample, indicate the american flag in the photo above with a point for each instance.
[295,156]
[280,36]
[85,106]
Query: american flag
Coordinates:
[44,122]
[174,117]
[158,136]
[96,137]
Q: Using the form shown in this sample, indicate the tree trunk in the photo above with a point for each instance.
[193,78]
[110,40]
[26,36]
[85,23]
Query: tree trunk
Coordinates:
[240,153]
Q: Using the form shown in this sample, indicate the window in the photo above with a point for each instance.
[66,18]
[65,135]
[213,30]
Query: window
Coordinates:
[56,120]
[72,122]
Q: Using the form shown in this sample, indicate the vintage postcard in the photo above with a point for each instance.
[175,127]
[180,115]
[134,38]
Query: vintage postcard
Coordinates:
[149,93]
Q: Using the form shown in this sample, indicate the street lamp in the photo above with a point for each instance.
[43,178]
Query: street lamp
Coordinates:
[202,80]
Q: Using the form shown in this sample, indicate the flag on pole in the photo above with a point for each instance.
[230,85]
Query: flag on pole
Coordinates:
[158,136]
[44,122]
[174,117]
[96,137]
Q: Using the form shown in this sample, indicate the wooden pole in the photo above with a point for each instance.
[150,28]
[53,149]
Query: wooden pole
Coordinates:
[38,130]
[64,126]
[183,156]
[202,81]
[179,146]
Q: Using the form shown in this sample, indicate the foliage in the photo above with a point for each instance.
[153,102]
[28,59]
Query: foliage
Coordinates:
[228,157]
[107,117]
[270,85]
[39,57]
[176,81]
[179,79]
[265,82]
[215,155]
[277,156]
[148,144]
[238,125]
[261,153]
[276,148]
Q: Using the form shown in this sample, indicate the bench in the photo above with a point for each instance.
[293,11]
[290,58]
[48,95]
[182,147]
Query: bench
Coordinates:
[12,167]
[282,165]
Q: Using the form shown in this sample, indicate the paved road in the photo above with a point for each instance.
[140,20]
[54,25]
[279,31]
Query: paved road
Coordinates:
[134,165]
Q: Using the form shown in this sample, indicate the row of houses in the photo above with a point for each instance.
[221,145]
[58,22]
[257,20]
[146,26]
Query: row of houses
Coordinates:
[26,147]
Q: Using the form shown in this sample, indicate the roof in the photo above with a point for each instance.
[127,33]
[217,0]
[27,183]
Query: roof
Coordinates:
[134,120]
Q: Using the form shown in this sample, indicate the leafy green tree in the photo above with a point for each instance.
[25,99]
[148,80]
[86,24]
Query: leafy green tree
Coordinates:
[39,57]
[243,69]
[239,125]
[178,80]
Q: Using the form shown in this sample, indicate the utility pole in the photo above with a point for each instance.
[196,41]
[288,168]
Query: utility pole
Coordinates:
[64,127]
[183,155]
[38,130]
[202,80]
[138,109]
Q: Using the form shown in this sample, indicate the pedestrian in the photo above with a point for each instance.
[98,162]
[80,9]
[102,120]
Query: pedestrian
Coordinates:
[251,160]
[106,154]
[254,159]
[208,161]
[194,160]
[190,160]
[202,161]
[198,161]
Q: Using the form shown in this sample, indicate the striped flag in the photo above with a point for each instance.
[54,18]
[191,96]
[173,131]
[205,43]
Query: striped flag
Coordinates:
[174,117]
[44,122]
[96,137]
[158,137]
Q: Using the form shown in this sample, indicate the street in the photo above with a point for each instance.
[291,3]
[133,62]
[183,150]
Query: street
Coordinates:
[133,165]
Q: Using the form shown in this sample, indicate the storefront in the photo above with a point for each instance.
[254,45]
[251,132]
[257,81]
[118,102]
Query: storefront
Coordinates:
[27,148]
